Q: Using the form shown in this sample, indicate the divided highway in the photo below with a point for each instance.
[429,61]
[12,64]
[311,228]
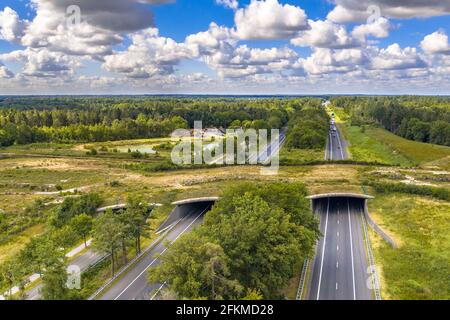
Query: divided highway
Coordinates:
[133,285]
[339,270]
[336,145]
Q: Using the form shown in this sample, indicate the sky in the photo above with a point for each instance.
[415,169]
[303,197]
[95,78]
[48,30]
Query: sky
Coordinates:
[224,47]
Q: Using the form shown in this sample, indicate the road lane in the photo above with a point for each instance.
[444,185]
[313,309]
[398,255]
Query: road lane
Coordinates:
[134,284]
[336,145]
[339,270]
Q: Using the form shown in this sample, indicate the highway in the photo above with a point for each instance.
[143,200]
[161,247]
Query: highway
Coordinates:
[133,285]
[84,261]
[336,145]
[339,270]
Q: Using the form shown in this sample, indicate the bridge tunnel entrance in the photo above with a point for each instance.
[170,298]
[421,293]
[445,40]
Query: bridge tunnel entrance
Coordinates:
[339,202]
[186,208]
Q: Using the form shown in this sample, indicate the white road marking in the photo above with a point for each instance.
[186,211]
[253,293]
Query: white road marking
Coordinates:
[338,248]
[337,286]
[156,259]
[323,249]
[338,233]
[331,147]
[337,265]
[157,291]
[340,145]
[351,250]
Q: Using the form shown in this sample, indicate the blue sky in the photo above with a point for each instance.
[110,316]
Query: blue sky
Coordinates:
[257,46]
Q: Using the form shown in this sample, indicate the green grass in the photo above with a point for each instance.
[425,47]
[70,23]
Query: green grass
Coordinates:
[370,148]
[420,267]
[299,156]
[417,152]
[17,242]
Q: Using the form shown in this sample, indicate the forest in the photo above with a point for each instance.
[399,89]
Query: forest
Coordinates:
[423,119]
[99,119]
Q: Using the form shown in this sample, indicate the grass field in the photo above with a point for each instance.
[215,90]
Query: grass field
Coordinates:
[420,267]
[372,144]
[420,153]
[370,148]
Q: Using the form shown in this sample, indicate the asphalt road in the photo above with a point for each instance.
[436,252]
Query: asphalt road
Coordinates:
[336,146]
[84,261]
[339,270]
[134,284]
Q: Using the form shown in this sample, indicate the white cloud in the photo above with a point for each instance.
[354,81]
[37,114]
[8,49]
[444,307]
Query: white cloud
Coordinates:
[148,55]
[396,58]
[327,61]
[5,73]
[268,19]
[378,29]
[42,62]
[360,10]
[231,4]
[437,42]
[11,26]
[325,34]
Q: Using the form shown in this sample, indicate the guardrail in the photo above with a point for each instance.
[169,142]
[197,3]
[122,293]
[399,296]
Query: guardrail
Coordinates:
[301,287]
[372,267]
[126,267]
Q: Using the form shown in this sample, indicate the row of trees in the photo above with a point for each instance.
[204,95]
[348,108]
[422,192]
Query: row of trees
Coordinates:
[249,245]
[96,119]
[12,134]
[424,119]
[308,128]
[113,233]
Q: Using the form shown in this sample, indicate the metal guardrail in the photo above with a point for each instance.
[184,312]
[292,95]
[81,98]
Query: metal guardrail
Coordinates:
[302,282]
[126,267]
[372,267]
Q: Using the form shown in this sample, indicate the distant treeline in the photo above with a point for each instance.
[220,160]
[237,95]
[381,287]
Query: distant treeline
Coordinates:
[25,120]
[424,119]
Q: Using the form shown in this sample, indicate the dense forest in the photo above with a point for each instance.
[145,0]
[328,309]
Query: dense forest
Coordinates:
[424,119]
[97,119]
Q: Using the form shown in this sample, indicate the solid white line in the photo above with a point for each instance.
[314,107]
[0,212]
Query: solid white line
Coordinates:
[157,291]
[351,250]
[340,144]
[331,147]
[323,249]
[156,259]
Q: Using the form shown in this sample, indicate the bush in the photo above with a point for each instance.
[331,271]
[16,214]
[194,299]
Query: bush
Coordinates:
[434,192]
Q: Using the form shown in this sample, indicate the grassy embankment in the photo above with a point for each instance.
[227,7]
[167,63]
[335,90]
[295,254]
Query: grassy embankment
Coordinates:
[420,267]
[372,144]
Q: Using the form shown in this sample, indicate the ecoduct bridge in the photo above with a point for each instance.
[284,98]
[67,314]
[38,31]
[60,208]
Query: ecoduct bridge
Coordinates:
[188,207]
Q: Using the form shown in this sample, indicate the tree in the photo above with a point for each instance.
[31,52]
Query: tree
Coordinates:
[82,226]
[72,207]
[262,243]
[137,214]
[64,237]
[54,281]
[196,269]
[11,274]
[107,235]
